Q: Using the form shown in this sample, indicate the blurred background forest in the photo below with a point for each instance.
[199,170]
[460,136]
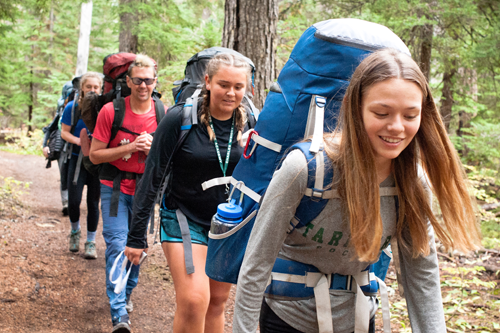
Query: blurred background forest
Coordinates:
[455,42]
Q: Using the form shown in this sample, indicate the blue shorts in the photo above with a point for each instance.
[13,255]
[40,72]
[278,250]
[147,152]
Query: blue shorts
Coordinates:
[171,231]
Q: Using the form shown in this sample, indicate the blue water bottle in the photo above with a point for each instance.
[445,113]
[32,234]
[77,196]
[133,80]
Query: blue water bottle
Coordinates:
[227,217]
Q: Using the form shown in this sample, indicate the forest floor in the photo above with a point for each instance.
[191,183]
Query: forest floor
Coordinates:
[46,288]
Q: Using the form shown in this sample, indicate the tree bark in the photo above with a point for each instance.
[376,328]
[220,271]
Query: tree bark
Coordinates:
[84,38]
[427,31]
[447,94]
[250,28]
[128,41]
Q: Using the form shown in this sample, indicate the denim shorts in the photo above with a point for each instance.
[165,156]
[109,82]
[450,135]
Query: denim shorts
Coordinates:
[171,231]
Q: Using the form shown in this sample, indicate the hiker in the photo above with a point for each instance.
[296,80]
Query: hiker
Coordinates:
[204,154]
[389,134]
[55,126]
[124,158]
[72,125]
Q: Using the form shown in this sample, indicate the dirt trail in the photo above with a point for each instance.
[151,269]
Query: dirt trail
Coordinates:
[46,288]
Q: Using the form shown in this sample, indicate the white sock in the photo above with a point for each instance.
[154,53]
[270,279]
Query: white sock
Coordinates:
[75,226]
[91,236]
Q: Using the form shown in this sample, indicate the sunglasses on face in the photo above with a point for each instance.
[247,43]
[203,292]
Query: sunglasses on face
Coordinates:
[138,81]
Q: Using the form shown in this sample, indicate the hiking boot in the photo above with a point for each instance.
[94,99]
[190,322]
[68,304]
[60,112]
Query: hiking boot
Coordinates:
[130,306]
[65,211]
[74,240]
[90,250]
[123,326]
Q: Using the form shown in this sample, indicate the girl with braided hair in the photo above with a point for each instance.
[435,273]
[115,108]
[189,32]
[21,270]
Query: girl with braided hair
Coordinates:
[210,150]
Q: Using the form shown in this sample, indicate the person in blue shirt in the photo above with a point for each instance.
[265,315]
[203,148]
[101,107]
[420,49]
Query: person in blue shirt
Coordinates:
[70,131]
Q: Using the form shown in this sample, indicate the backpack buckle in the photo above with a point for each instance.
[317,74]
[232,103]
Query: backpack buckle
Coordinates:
[252,132]
[317,194]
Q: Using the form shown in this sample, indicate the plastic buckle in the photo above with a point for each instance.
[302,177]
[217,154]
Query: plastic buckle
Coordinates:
[317,194]
[252,132]
[320,101]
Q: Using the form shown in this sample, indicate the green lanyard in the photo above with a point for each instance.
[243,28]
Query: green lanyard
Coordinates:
[223,167]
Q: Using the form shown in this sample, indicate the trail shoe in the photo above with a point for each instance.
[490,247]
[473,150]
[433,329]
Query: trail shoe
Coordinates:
[130,306]
[90,250]
[122,326]
[74,240]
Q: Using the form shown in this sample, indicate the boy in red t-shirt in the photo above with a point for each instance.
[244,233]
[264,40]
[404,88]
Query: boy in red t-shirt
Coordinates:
[127,152]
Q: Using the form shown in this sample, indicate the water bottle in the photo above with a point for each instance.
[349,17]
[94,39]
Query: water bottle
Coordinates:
[227,217]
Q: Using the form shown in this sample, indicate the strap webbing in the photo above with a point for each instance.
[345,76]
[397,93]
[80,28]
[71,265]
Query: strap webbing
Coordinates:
[78,167]
[319,117]
[386,313]
[230,180]
[323,305]
[362,313]
[266,143]
[186,241]
[333,194]
[115,196]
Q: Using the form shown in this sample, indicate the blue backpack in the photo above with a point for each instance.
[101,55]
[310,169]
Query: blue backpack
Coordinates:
[302,104]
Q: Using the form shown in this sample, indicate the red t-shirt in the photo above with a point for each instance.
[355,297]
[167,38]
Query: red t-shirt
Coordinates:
[137,123]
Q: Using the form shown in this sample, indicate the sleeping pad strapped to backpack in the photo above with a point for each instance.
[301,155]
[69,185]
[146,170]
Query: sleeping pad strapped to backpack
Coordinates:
[303,103]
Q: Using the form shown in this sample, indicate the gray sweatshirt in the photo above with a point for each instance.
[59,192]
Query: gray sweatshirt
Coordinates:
[324,244]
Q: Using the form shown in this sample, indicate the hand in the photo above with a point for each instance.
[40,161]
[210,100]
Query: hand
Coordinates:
[46,151]
[143,142]
[77,141]
[134,255]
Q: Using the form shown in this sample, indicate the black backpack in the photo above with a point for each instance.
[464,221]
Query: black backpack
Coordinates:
[54,141]
[194,73]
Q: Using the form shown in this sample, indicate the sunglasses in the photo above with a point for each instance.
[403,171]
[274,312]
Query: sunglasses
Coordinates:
[138,81]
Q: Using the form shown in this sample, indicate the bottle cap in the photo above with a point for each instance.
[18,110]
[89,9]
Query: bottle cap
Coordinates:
[229,210]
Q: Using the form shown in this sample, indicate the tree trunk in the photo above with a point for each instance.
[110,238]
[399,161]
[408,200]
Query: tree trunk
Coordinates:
[84,39]
[128,17]
[447,94]
[426,49]
[30,106]
[250,28]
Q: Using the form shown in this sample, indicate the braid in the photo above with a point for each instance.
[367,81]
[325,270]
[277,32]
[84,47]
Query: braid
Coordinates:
[204,112]
[240,120]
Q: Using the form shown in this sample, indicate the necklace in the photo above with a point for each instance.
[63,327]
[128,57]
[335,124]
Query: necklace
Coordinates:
[223,166]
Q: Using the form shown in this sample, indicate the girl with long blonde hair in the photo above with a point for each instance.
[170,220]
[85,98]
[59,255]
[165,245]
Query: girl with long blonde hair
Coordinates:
[389,138]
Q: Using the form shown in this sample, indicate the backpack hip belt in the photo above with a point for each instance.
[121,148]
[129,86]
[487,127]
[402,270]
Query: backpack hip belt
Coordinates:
[112,173]
[292,280]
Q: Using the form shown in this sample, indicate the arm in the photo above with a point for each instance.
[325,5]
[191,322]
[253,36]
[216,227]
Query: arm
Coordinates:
[162,148]
[66,125]
[67,136]
[282,197]
[421,283]
[100,153]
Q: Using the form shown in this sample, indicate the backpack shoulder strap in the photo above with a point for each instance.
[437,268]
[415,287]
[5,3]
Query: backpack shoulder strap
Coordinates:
[75,115]
[159,109]
[119,106]
[252,112]
[189,118]
[319,181]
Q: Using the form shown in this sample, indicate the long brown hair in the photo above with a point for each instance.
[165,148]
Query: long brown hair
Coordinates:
[431,148]
[213,66]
